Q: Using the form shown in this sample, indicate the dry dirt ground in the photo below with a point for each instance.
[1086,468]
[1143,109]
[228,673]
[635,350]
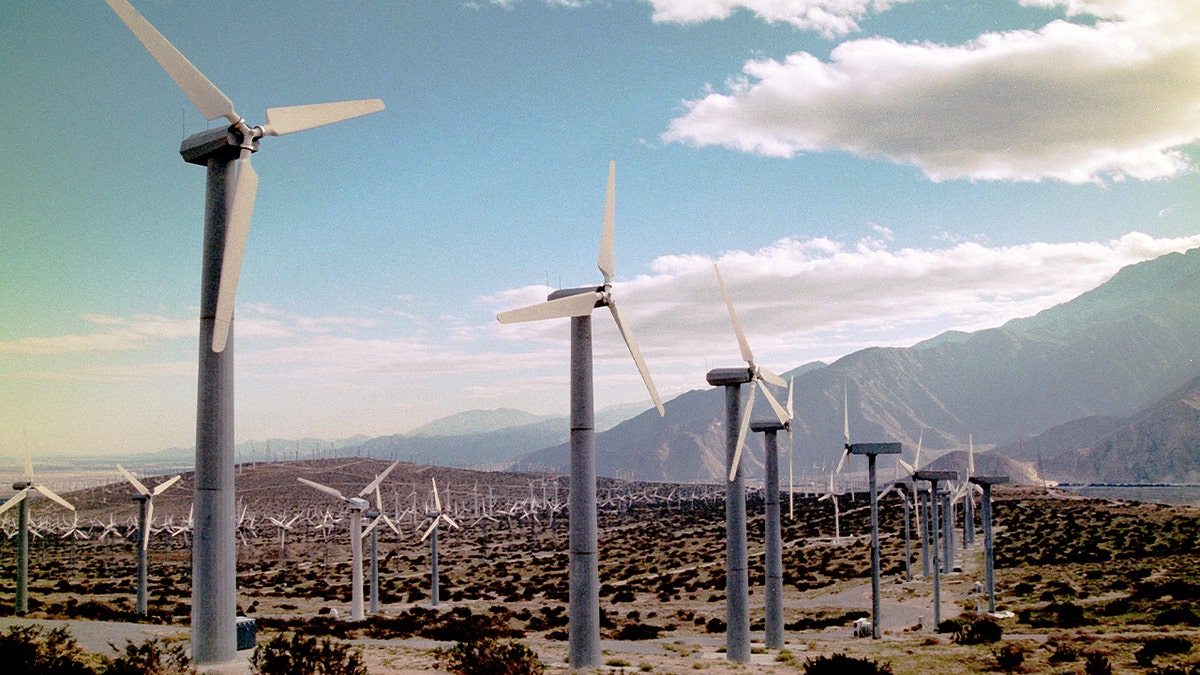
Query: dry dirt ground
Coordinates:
[1078,575]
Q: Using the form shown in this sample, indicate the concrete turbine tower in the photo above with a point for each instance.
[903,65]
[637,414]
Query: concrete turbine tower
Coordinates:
[21,500]
[737,581]
[145,499]
[229,204]
[577,303]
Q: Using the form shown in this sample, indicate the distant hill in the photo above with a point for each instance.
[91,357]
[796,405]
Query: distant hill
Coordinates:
[473,422]
[1113,350]
[1160,444]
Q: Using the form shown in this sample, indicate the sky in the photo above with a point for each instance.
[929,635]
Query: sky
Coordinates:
[865,172]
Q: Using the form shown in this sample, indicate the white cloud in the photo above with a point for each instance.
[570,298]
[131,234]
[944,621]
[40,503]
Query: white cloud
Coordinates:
[829,17]
[1075,102]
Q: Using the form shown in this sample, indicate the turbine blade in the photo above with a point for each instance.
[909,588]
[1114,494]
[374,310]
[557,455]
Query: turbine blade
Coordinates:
[288,120]
[607,259]
[747,355]
[430,530]
[636,353]
[907,467]
[162,487]
[204,94]
[28,458]
[846,416]
[842,461]
[779,411]
[790,409]
[378,479]
[450,521]
[137,484]
[437,500]
[323,488]
[970,455]
[237,231]
[54,497]
[388,521]
[368,528]
[772,377]
[572,305]
[917,460]
[14,500]
[741,439]
[146,524]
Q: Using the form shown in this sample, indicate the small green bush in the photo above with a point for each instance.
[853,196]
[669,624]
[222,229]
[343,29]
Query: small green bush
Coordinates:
[1158,646]
[150,658]
[974,629]
[1096,664]
[30,649]
[301,655]
[1009,657]
[490,657]
[840,664]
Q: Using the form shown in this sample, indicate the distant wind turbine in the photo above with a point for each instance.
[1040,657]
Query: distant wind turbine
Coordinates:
[145,499]
[439,516]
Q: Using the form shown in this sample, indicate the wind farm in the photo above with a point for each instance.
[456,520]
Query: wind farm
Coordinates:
[424,458]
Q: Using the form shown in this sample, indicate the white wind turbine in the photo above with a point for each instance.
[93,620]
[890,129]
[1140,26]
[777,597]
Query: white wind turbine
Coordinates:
[356,505]
[438,517]
[145,499]
[577,303]
[377,516]
[837,514]
[229,204]
[737,582]
[21,501]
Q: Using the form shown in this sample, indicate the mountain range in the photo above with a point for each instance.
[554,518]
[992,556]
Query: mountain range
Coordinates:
[1112,351]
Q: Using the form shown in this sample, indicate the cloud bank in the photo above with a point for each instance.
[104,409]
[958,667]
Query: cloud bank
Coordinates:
[1077,101]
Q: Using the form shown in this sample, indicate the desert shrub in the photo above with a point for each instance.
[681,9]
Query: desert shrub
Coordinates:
[972,629]
[840,664]
[1065,653]
[1159,646]
[150,658]
[715,625]
[1175,670]
[30,649]
[639,631]
[1177,615]
[1009,657]
[1096,664]
[490,657]
[301,655]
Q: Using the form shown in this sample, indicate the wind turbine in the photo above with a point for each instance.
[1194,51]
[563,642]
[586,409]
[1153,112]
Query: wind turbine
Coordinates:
[737,582]
[229,204]
[438,517]
[21,501]
[356,505]
[773,622]
[584,576]
[376,516]
[145,499]
[837,523]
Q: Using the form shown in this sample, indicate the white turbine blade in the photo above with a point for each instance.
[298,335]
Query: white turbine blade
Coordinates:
[237,231]
[636,353]
[747,355]
[368,528]
[50,493]
[907,467]
[14,500]
[782,414]
[388,521]
[437,500]
[772,377]
[430,530]
[28,458]
[162,487]
[970,455]
[287,120]
[741,439]
[607,259]
[137,484]
[146,524]
[572,305]
[323,488]
[842,461]
[846,417]
[790,408]
[450,521]
[204,94]
[378,479]
[917,460]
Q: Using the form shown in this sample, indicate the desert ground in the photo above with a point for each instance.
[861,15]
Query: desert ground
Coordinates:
[1078,575]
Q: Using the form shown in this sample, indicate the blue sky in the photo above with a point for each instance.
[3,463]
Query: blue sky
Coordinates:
[866,173]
